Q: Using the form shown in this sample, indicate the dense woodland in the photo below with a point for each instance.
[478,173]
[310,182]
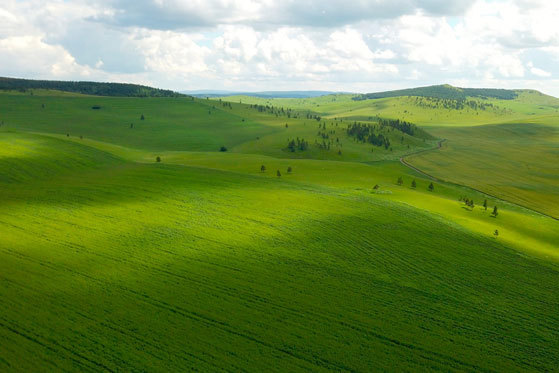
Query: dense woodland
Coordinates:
[88,88]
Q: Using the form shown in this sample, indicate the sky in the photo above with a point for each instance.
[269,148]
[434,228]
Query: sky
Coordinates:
[262,45]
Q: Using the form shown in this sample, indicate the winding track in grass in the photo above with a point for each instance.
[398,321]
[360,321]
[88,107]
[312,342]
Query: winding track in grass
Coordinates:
[434,178]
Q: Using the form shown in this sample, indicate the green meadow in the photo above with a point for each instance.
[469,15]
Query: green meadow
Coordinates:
[321,260]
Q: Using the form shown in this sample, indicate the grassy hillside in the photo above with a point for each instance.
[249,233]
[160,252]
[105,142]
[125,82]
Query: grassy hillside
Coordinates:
[507,148]
[112,261]
[250,272]
[443,92]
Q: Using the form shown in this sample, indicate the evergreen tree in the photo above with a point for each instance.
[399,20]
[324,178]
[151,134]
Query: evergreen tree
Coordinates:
[289,170]
[495,211]
[142,117]
[262,168]
[496,233]
[278,173]
[431,187]
[485,205]
[400,180]
[158,159]
[413,184]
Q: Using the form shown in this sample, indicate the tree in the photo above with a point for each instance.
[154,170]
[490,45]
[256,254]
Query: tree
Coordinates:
[158,159]
[289,169]
[376,187]
[400,180]
[431,187]
[142,117]
[496,233]
[413,184]
[278,173]
[495,211]
[485,205]
[131,125]
[223,149]
[262,168]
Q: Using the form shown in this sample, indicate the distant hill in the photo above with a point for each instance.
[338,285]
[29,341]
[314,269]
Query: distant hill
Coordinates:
[444,92]
[265,94]
[88,88]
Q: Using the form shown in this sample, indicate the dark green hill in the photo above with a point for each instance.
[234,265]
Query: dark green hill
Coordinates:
[87,88]
[444,92]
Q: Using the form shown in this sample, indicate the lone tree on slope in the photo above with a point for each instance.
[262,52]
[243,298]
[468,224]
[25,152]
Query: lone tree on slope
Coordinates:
[413,184]
[495,211]
[262,168]
[158,159]
[289,169]
[485,205]
[496,233]
[278,173]
[400,180]
[142,117]
[431,187]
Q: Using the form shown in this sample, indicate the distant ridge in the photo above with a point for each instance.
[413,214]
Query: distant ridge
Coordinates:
[444,92]
[88,88]
[264,94]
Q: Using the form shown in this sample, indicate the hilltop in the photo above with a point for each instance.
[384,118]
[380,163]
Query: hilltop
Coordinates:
[447,91]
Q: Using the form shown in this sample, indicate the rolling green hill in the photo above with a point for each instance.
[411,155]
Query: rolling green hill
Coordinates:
[88,88]
[112,261]
[443,92]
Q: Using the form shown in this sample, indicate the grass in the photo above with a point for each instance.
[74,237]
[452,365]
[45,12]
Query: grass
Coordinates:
[111,261]
[517,162]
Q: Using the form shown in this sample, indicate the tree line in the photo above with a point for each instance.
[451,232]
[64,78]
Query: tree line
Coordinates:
[89,88]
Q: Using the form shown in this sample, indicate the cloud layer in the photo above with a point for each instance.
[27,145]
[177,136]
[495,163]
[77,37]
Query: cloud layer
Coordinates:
[363,45]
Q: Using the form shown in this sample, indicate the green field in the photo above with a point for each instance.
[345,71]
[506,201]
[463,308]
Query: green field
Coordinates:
[111,261]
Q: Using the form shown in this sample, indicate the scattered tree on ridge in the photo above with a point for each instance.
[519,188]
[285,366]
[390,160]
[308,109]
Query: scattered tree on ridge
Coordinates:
[223,149]
[413,184]
[142,117]
[431,187]
[485,205]
[278,173]
[496,233]
[289,169]
[495,211]
[158,159]
[262,168]
[400,180]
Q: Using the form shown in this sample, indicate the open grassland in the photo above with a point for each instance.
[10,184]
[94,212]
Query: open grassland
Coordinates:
[134,266]
[509,150]
[517,161]
[417,110]
[110,261]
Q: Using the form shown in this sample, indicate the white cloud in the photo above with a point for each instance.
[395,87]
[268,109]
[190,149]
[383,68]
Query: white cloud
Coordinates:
[263,44]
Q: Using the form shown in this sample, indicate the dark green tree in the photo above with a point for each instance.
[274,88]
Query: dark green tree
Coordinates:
[262,168]
[431,187]
[278,173]
[496,233]
[400,180]
[485,204]
[142,117]
[413,184]
[495,211]
[223,149]
[158,159]
[289,170]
